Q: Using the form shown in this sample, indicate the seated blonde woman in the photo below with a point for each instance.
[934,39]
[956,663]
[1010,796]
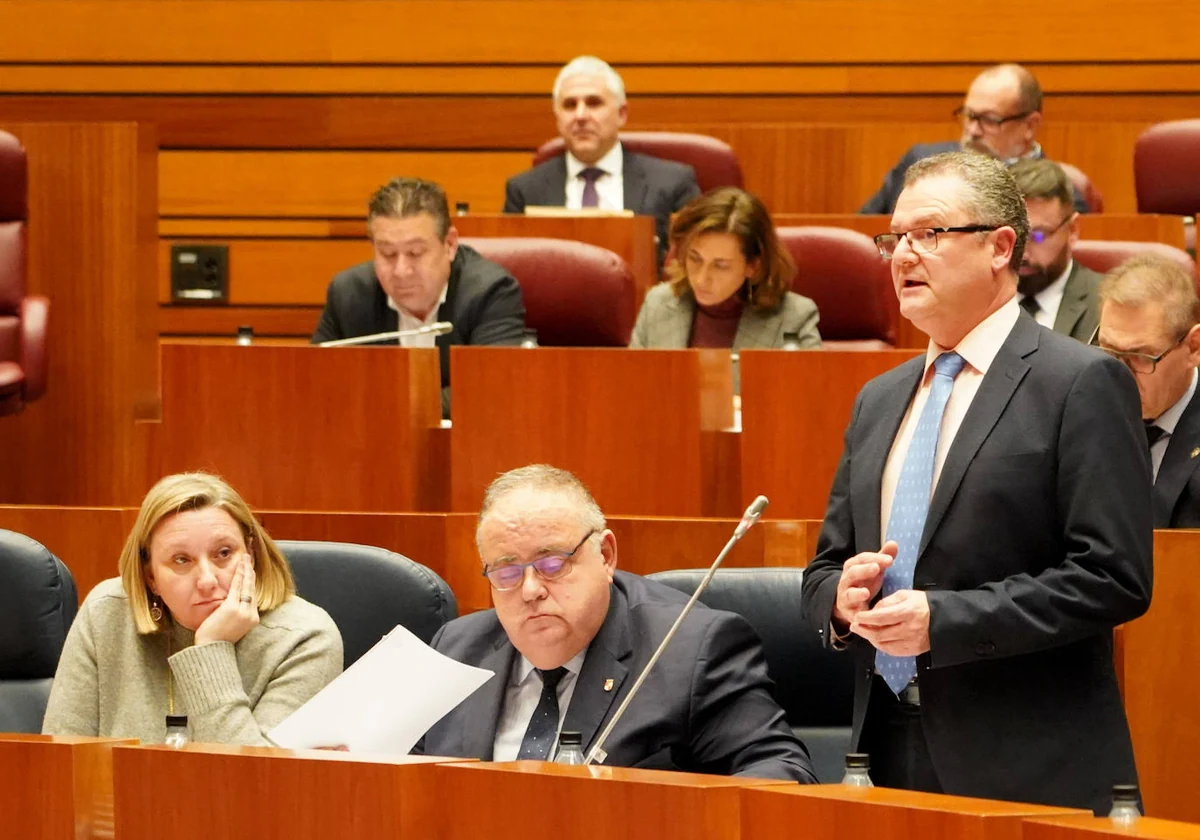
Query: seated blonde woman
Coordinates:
[204,621]
[728,283]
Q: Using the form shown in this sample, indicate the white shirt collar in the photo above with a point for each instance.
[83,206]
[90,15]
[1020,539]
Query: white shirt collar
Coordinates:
[524,667]
[431,318]
[613,163]
[1050,297]
[980,346]
[1169,419]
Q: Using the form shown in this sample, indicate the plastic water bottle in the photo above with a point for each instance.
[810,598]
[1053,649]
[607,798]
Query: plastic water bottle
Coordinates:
[857,767]
[791,341]
[245,336]
[530,339]
[570,748]
[177,731]
[1125,811]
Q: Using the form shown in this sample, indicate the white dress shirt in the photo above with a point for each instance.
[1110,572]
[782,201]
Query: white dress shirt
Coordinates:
[1167,421]
[521,697]
[1050,298]
[408,321]
[978,348]
[610,187]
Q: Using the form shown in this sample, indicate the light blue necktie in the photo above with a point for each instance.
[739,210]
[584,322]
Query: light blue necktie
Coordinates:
[910,505]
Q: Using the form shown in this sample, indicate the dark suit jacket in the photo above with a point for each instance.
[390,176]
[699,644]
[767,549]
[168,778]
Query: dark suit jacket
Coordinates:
[1079,311]
[653,187]
[884,201]
[1037,544]
[483,301]
[1177,487]
[706,707]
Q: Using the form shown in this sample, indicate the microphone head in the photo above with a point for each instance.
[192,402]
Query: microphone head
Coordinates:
[440,328]
[756,509]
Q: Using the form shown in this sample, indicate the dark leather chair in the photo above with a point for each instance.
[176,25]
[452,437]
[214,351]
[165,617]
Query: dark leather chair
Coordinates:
[22,318]
[1166,168]
[38,602]
[841,270]
[715,162]
[1084,187]
[1102,256]
[367,591]
[814,686]
[576,294]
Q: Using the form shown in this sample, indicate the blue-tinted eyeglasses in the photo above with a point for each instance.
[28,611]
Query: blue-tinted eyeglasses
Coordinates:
[507,576]
[1039,235]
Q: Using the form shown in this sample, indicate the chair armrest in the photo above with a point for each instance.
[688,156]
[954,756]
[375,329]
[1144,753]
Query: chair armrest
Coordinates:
[35,311]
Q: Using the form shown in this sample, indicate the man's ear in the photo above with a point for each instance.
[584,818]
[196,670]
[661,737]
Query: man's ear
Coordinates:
[608,550]
[1004,239]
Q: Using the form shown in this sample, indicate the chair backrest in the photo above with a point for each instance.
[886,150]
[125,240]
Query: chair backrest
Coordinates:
[1102,256]
[841,270]
[715,162]
[38,602]
[576,294]
[814,686]
[12,225]
[1166,168]
[368,591]
[1084,187]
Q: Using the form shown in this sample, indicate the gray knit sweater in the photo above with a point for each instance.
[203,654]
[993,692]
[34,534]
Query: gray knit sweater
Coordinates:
[112,681]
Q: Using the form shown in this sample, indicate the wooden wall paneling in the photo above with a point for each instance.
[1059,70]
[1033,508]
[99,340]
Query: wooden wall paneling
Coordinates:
[91,241]
[792,437]
[304,428]
[87,540]
[597,412]
[1163,719]
[55,788]
[297,322]
[322,184]
[525,32]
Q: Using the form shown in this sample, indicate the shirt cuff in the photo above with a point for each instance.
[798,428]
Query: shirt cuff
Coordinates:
[836,640]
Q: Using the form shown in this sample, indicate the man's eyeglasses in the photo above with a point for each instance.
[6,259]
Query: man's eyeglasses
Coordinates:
[507,576]
[987,122]
[1039,235]
[1136,362]
[922,240]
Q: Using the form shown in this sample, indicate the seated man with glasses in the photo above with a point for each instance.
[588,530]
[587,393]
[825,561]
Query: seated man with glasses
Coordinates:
[570,634]
[1000,117]
[1056,290]
[989,522]
[1148,319]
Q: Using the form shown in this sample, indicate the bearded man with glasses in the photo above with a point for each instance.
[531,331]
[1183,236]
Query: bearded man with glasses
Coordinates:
[989,523]
[1000,117]
[1148,320]
[569,635]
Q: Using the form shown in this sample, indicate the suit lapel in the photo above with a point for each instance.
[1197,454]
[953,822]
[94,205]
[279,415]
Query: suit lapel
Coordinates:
[480,712]
[868,484]
[594,696]
[1074,302]
[675,328]
[636,185]
[384,318]
[997,388]
[1178,463]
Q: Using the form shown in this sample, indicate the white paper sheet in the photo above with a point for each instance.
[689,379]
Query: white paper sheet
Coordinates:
[385,701]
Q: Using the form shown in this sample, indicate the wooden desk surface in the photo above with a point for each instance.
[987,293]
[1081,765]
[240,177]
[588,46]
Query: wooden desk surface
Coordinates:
[1096,828]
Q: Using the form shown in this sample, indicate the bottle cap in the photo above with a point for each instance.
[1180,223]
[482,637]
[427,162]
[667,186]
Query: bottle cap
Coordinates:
[858,760]
[570,739]
[1125,792]
[176,720]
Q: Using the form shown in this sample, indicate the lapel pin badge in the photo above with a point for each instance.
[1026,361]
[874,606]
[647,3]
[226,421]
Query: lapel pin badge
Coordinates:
[1196,451]
[608,684]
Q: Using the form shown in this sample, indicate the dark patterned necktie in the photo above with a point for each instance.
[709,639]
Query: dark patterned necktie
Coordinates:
[1154,433]
[591,198]
[543,726]
[1029,304]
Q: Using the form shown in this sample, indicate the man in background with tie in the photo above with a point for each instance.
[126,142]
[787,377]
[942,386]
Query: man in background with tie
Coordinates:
[1052,287]
[1148,319]
[570,634]
[989,523]
[596,171]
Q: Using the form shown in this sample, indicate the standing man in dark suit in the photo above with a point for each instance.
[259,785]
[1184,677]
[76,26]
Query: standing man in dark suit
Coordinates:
[989,524]
[596,171]
[421,275]
[1000,117]
[570,634]
[1148,319]
[1051,286]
